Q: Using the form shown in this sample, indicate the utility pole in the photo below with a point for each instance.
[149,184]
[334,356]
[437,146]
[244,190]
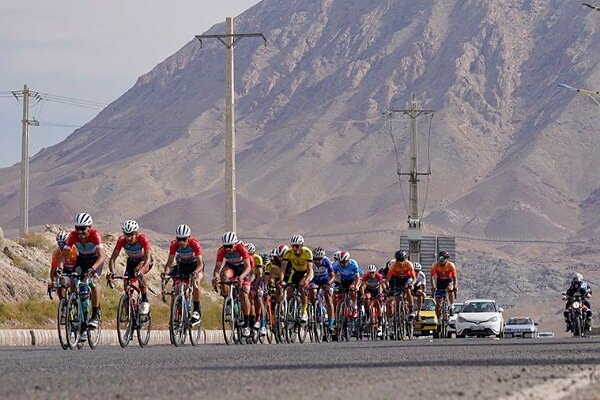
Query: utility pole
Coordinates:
[24,203]
[230,40]
[414,219]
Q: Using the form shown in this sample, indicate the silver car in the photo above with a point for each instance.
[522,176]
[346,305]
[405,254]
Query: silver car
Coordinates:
[521,327]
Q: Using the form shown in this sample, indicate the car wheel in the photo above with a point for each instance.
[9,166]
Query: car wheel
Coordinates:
[460,336]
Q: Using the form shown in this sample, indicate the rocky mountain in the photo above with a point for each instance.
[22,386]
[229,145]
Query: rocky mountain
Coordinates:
[512,155]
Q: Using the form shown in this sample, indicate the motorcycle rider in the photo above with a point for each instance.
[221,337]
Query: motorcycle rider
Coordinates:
[585,293]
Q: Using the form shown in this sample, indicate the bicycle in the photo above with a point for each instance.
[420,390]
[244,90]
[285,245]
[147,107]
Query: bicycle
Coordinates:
[372,321]
[318,319]
[293,325]
[231,317]
[78,314]
[280,319]
[181,311]
[61,314]
[269,318]
[402,325]
[343,316]
[442,332]
[128,314]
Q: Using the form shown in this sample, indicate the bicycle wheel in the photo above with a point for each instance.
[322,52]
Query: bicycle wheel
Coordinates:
[196,331]
[144,329]
[409,329]
[268,315]
[402,318]
[290,321]
[177,322]
[301,328]
[311,323]
[317,323]
[280,322]
[94,335]
[228,321]
[73,321]
[124,321]
[61,323]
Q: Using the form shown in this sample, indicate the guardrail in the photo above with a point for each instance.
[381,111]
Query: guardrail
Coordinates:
[49,337]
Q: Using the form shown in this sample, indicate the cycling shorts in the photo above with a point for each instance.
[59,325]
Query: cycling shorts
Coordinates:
[85,263]
[184,268]
[372,292]
[319,283]
[397,285]
[443,285]
[295,277]
[345,286]
[228,272]
[132,264]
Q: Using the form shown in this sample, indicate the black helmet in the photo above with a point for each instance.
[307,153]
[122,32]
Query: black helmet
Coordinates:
[401,255]
[443,255]
[575,281]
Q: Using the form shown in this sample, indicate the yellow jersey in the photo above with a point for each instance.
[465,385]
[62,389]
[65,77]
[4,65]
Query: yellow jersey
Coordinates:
[299,263]
[258,261]
[272,271]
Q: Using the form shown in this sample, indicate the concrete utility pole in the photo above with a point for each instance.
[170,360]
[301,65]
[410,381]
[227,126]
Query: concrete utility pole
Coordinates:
[230,40]
[414,219]
[24,203]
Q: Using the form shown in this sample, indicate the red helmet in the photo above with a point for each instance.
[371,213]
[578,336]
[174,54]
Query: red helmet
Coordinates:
[281,249]
[344,256]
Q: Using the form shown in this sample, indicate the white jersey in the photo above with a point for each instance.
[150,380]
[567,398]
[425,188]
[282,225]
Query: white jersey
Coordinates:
[421,279]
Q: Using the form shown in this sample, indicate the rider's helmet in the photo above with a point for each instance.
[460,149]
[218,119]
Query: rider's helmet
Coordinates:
[280,250]
[297,240]
[579,276]
[401,255]
[130,226]
[336,255]
[575,280]
[265,256]
[251,248]
[390,263]
[229,239]
[318,253]
[372,268]
[344,256]
[83,219]
[61,238]
[183,231]
[417,266]
[443,255]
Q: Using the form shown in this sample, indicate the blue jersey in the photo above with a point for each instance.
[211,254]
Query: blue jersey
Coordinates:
[347,273]
[322,271]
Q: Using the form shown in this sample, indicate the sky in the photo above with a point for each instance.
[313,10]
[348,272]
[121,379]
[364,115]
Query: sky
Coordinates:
[87,50]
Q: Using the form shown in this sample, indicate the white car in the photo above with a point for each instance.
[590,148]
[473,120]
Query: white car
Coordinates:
[524,327]
[480,317]
[452,320]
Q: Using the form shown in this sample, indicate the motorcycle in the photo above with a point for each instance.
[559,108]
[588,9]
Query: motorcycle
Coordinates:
[577,315]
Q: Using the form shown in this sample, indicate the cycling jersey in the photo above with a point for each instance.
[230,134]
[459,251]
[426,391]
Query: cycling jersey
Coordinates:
[188,253]
[372,282]
[420,280]
[272,270]
[299,263]
[401,269]
[86,247]
[70,259]
[322,271]
[137,250]
[347,273]
[234,258]
[258,261]
[444,272]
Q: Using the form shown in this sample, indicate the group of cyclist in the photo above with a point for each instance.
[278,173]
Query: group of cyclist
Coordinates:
[280,271]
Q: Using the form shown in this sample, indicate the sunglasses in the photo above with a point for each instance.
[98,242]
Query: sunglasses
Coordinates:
[81,228]
[132,234]
[182,239]
[61,244]
[228,246]
[295,246]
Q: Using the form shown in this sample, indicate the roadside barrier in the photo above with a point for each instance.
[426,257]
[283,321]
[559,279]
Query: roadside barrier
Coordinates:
[49,337]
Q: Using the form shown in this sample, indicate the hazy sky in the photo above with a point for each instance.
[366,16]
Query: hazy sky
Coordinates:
[92,50]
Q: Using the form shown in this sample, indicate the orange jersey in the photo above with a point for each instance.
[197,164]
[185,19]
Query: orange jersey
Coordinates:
[446,271]
[70,259]
[401,269]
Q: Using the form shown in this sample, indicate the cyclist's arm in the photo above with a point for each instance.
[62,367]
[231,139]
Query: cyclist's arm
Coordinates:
[284,264]
[169,263]
[356,279]
[455,279]
[247,269]
[101,257]
[113,258]
[309,271]
[200,268]
[331,277]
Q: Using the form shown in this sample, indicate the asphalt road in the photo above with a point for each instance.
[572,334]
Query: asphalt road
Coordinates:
[420,369]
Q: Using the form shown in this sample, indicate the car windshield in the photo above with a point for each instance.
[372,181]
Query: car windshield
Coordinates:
[428,305]
[479,307]
[456,307]
[519,321]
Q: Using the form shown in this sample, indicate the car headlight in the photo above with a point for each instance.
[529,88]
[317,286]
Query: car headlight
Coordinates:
[493,319]
[460,319]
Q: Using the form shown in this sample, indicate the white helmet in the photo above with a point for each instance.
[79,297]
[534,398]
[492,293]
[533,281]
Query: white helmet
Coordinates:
[372,268]
[297,240]
[61,236]
[579,276]
[229,239]
[280,250]
[183,231]
[129,226]
[417,266]
[251,248]
[336,255]
[83,219]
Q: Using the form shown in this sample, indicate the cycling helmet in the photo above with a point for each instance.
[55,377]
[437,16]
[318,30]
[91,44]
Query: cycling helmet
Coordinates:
[61,237]
[297,240]
[265,256]
[229,239]
[344,256]
[401,255]
[417,266]
[336,256]
[183,231]
[390,263]
[443,255]
[251,248]
[83,219]
[280,251]
[129,226]
[318,253]
[372,268]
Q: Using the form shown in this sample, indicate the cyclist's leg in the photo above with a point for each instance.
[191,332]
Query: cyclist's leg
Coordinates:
[227,274]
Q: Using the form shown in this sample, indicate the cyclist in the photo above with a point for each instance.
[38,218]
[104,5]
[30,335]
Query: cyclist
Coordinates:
[186,252]
[443,278]
[257,288]
[348,273]
[324,277]
[420,287]
[139,260]
[90,258]
[233,261]
[273,271]
[69,265]
[301,273]
[400,276]
[372,287]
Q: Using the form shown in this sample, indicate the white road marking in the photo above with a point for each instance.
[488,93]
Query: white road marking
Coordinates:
[558,388]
